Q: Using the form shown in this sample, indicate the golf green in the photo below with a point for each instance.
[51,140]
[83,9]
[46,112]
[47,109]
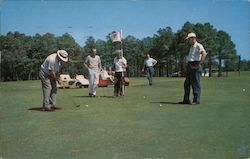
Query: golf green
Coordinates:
[146,123]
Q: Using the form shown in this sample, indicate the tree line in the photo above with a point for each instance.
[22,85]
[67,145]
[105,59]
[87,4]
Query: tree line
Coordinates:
[22,55]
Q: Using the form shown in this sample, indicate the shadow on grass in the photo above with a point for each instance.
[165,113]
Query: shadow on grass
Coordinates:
[41,108]
[106,96]
[166,103]
[102,96]
[80,96]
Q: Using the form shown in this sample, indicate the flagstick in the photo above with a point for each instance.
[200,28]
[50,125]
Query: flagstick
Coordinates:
[123,84]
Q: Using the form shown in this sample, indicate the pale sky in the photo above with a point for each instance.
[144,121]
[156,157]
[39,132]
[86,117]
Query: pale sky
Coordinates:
[139,18]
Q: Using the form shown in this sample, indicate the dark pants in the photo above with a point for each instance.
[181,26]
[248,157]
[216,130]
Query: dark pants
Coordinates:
[118,84]
[150,74]
[193,77]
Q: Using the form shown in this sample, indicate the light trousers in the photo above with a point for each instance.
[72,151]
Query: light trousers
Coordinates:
[93,81]
[49,89]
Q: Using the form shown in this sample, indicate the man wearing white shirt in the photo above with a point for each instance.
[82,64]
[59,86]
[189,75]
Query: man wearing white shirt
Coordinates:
[94,66]
[120,64]
[195,58]
[49,75]
[149,63]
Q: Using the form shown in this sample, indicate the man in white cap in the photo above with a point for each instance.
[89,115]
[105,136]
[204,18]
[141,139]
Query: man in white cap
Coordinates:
[49,74]
[195,58]
[120,65]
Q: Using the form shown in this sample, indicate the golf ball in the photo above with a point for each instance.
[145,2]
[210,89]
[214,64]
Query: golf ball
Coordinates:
[86,105]
[243,90]
[160,105]
[144,97]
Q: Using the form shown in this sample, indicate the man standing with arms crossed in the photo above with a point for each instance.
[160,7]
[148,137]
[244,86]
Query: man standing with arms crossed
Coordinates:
[195,58]
[94,66]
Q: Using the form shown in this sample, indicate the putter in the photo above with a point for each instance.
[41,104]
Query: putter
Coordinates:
[71,99]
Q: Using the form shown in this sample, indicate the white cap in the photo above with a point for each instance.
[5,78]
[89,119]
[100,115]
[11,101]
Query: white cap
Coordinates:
[118,51]
[191,35]
[63,55]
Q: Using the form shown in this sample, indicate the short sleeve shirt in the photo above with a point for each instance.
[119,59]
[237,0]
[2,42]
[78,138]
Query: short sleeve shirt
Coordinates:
[118,64]
[93,62]
[149,62]
[195,52]
[51,63]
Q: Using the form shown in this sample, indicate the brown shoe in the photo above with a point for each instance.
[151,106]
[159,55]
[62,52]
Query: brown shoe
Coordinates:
[48,109]
[54,107]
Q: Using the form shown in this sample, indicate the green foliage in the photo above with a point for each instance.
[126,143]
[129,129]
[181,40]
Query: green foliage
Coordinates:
[22,55]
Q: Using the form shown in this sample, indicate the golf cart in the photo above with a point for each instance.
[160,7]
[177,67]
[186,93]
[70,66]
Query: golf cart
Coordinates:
[68,82]
[84,82]
[105,80]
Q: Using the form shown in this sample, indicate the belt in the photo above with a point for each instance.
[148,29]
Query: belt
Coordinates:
[193,62]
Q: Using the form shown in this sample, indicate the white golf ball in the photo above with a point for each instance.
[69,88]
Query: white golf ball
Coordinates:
[243,90]
[86,105]
[160,105]
[144,97]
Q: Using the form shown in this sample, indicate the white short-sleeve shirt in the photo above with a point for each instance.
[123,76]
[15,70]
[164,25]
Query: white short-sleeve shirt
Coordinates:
[149,62]
[118,64]
[195,52]
[93,62]
[51,63]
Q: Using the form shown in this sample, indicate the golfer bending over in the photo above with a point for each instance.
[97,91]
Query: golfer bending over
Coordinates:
[94,66]
[49,74]
[195,58]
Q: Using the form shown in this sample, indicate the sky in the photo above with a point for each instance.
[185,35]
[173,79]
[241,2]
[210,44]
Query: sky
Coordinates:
[139,18]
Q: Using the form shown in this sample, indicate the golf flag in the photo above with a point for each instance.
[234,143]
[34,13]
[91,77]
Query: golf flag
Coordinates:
[115,36]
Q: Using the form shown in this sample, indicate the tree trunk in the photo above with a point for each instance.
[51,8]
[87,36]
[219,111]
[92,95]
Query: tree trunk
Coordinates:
[210,66]
[220,71]
[29,77]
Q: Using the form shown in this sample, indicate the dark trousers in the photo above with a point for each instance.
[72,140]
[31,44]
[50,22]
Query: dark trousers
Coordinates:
[118,84]
[193,77]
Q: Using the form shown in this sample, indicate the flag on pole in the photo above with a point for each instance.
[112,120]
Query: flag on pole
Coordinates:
[115,36]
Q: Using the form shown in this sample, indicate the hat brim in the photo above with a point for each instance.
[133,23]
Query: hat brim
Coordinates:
[64,59]
[190,37]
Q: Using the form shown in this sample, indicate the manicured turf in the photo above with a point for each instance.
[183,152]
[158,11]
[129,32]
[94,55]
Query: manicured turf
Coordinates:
[145,124]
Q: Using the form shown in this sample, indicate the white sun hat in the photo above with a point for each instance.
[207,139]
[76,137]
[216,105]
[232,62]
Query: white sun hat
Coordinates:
[63,55]
[191,35]
[118,51]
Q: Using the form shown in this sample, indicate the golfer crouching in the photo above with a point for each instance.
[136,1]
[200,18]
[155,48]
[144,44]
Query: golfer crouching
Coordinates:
[49,74]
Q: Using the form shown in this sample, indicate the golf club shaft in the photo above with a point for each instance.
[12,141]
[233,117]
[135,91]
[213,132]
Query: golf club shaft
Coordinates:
[68,96]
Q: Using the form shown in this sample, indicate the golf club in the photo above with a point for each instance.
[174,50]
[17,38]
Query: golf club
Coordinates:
[71,99]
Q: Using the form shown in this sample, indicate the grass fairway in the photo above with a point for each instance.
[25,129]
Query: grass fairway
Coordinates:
[145,124]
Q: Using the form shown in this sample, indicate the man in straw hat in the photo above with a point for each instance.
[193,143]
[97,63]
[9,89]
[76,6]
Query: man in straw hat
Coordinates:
[195,58]
[49,74]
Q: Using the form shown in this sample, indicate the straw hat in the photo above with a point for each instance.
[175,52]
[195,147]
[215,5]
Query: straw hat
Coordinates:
[191,35]
[63,55]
